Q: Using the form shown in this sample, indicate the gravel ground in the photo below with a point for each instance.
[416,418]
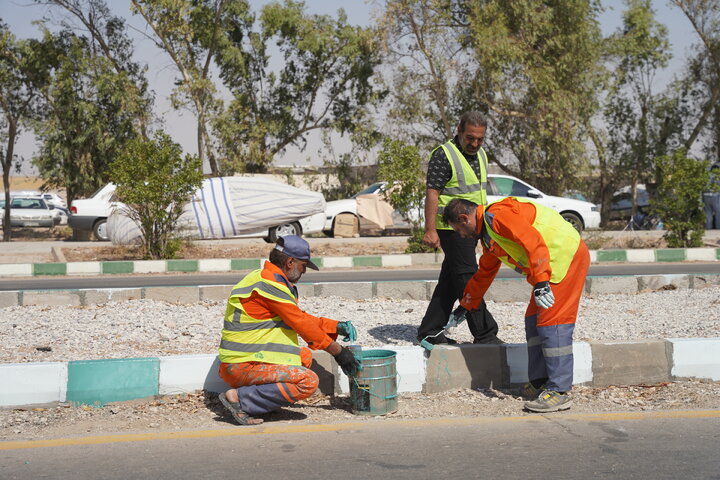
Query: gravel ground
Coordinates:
[151,328]
[141,328]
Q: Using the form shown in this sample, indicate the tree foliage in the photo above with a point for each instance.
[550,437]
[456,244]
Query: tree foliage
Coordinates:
[323,83]
[90,114]
[155,181]
[678,198]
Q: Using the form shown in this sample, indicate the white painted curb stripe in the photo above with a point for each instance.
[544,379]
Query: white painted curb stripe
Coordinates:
[640,255]
[188,373]
[696,357]
[33,383]
[83,268]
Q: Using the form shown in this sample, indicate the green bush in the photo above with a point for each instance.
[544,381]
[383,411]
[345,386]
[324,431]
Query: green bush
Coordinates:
[678,198]
[155,182]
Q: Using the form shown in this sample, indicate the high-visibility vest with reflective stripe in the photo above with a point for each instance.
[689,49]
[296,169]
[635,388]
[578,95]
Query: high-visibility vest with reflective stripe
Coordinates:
[463,183]
[248,339]
[559,235]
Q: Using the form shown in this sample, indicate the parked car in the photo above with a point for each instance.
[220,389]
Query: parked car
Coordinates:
[30,212]
[579,213]
[224,207]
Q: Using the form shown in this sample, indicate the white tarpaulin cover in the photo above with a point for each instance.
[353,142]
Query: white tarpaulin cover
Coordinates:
[227,207]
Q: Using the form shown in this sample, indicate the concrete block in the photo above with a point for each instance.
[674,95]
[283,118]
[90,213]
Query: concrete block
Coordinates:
[83,268]
[16,269]
[630,363]
[641,255]
[509,290]
[606,285]
[338,262]
[326,368]
[190,373]
[402,290]
[466,366]
[55,298]
[150,266]
[427,258]
[396,260]
[355,291]
[217,293]
[98,382]
[701,280]
[94,297]
[670,254]
[593,256]
[214,265]
[701,254]
[582,363]
[9,299]
[118,267]
[661,282]
[612,255]
[173,294]
[182,265]
[695,358]
[306,290]
[32,383]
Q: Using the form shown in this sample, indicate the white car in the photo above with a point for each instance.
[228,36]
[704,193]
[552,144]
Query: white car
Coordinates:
[30,212]
[582,215]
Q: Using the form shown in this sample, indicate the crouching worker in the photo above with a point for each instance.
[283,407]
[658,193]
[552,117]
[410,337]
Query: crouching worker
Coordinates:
[260,357]
[537,242]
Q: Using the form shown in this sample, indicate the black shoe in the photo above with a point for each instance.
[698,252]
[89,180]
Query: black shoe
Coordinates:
[439,340]
[489,341]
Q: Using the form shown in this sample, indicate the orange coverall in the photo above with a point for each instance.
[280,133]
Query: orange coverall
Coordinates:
[548,331]
[291,383]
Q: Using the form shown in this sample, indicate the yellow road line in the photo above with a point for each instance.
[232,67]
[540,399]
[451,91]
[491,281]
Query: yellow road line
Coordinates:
[336,427]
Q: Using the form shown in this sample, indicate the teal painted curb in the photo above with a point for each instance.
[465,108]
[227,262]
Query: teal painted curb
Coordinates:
[98,382]
[378,261]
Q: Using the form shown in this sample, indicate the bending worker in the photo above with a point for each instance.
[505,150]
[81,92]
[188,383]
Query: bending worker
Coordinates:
[537,242]
[259,352]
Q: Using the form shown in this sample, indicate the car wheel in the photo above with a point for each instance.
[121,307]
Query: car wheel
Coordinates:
[283,230]
[574,220]
[100,230]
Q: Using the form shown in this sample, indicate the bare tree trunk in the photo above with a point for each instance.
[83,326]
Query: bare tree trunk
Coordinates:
[7,165]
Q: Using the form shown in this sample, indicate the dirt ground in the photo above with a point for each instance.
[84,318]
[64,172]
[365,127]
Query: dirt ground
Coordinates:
[201,411]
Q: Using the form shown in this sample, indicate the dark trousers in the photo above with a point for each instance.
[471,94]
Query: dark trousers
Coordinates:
[457,269]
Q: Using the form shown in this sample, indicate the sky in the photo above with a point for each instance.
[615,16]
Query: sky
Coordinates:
[181,125]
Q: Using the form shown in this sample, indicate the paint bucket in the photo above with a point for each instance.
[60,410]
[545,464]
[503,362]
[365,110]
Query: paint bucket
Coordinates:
[374,390]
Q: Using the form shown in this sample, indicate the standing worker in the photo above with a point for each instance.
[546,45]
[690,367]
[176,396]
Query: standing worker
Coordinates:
[711,199]
[536,241]
[259,353]
[457,169]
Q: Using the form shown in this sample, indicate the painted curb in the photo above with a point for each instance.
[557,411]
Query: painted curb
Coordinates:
[377,261]
[98,382]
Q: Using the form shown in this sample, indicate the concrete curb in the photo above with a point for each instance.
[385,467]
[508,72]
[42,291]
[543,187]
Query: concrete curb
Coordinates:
[98,382]
[502,290]
[378,261]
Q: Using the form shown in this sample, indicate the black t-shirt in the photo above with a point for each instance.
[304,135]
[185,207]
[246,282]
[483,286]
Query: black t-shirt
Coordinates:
[439,170]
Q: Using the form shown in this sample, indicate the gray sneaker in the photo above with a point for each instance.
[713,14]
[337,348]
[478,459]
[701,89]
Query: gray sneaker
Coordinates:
[549,401]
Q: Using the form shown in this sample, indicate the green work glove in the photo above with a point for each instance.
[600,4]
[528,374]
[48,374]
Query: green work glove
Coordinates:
[348,362]
[456,317]
[347,329]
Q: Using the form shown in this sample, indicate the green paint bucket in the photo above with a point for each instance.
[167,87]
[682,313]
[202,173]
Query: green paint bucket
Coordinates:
[374,390]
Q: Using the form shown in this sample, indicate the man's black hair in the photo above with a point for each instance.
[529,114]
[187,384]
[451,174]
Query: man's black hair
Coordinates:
[456,207]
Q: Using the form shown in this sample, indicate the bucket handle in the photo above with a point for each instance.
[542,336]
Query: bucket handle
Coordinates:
[386,397]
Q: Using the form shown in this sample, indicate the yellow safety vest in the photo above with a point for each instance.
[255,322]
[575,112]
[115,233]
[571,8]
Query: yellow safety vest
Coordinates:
[463,183]
[560,236]
[248,339]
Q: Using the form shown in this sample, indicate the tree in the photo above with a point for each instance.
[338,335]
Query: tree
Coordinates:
[423,41]
[89,115]
[400,165]
[323,83]
[678,199]
[190,32]
[630,110]
[155,182]
[108,37]
[537,75]
[21,73]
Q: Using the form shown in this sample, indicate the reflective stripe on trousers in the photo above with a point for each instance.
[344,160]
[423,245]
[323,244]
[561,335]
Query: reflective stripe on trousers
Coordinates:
[264,387]
[549,331]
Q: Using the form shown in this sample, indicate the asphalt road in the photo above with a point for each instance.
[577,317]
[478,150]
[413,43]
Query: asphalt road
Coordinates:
[643,445]
[356,275]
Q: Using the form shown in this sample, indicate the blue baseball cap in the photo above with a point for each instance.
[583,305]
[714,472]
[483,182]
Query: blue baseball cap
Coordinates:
[295,247]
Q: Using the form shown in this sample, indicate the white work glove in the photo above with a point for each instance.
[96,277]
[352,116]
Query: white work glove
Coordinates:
[544,297]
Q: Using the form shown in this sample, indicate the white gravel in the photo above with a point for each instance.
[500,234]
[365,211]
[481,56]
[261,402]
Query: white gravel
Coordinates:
[142,328]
